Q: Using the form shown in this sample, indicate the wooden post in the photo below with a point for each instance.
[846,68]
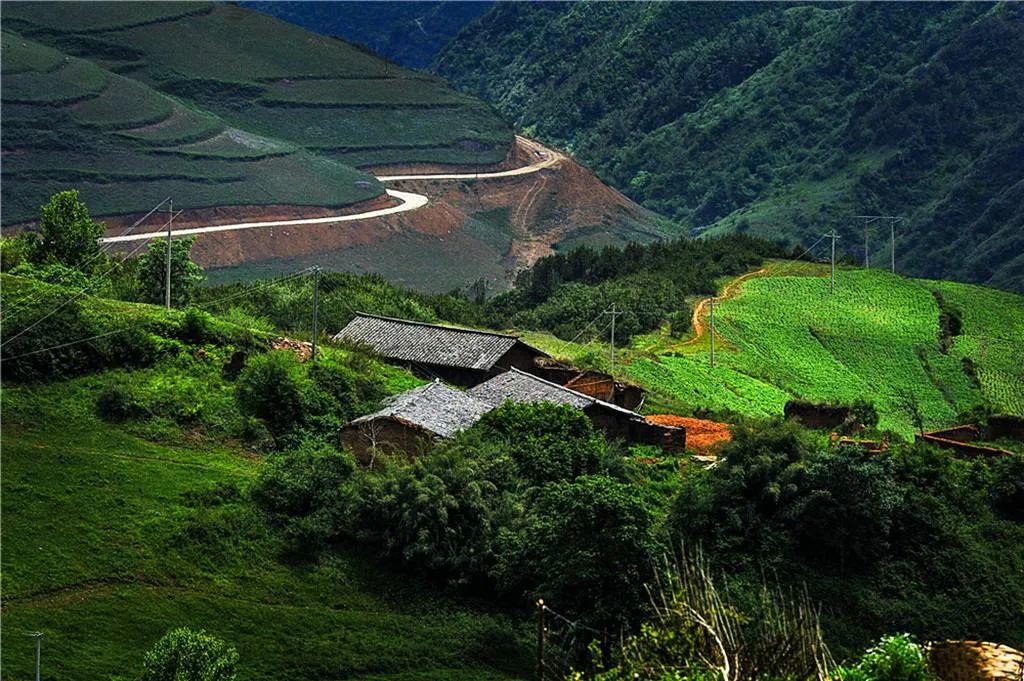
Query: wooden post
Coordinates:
[540,639]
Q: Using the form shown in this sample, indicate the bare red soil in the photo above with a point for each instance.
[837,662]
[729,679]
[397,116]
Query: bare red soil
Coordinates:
[701,435]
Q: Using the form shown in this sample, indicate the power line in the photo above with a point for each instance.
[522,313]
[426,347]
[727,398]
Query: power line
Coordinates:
[67,302]
[32,297]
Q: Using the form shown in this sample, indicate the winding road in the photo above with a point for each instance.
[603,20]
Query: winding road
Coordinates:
[409,200]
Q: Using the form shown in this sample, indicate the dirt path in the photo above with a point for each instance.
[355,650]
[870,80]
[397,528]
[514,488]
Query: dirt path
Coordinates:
[545,158]
[731,290]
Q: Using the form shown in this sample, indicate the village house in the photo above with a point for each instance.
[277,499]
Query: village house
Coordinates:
[613,421]
[464,357]
[412,421]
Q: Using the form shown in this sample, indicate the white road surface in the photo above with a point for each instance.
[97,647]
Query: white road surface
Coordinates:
[410,201]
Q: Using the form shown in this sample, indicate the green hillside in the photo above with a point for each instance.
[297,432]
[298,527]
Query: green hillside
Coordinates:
[877,338]
[214,105]
[782,120]
[410,33]
[115,531]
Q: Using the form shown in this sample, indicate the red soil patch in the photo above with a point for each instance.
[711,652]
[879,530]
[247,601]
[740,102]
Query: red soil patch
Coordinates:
[701,435]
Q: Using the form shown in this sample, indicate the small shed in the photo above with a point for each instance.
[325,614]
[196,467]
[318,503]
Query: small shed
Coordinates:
[412,421]
[464,357]
[612,420]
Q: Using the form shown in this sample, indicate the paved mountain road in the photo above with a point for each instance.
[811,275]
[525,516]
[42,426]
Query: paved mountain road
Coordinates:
[410,201]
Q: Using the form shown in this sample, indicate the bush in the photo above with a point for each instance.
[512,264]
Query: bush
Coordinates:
[547,442]
[442,513]
[301,493]
[117,403]
[584,546]
[894,658]
[187,655]
[274,388]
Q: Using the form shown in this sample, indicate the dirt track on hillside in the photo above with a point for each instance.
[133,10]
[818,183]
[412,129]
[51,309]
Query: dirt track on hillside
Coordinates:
[557,200]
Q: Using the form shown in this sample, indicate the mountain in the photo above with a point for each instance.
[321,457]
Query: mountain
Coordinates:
[215,104]
[240,117]
[782,120]
[408,33]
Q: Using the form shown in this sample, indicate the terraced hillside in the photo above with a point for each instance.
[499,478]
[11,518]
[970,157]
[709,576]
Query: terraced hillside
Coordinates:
[214,105]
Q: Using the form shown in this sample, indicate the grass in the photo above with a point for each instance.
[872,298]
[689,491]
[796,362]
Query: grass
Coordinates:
[110,539]
[114,533]
[182,126]
[363,92]
[123,104]
[73,81]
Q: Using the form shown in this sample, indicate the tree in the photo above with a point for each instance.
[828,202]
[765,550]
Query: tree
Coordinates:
[70,236]
[185,273]
[547,442]
[187,655]
[584,546]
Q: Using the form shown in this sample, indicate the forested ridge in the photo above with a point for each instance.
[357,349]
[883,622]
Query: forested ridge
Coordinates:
[782,120]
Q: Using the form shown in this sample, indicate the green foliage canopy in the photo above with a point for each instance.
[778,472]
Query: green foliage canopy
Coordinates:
[187,655]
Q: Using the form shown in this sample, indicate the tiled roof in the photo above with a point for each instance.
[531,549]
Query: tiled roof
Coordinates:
[434,407]
[521,387]
[409,341]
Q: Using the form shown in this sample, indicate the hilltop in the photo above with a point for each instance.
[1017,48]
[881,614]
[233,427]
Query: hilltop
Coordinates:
[781,120]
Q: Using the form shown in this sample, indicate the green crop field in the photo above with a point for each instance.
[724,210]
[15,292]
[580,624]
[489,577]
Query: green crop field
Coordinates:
[134,102]
[876,338]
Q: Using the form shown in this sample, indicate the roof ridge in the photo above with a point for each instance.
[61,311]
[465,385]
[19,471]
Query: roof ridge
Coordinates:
[554,385]
[413,322]
[593,400]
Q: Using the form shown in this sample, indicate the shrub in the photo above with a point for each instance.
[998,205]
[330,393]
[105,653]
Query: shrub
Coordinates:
[547,442]
[301,493]
[187,655]
[273,387]
[117,403]
[894,658]
[443,513]
[585,547]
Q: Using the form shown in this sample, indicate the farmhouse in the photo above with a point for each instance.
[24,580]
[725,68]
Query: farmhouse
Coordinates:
[462,357]
[612,420]
[412,421]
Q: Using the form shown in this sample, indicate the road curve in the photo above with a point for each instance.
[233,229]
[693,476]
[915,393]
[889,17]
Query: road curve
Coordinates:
[410,201]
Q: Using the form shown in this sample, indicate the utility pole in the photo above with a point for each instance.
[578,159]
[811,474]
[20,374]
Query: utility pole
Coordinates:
[711,304]
[540,638]
[893,219]
[316,291]
[614,313]
[832,282]
[892,241]
[167,283]
[38,636]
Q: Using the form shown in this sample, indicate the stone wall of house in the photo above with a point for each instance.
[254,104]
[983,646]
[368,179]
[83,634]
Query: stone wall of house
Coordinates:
[975,661]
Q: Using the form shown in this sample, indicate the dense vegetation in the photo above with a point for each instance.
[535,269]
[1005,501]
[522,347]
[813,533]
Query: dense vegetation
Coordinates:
[409,33]
[214,105]
[779,119]
[198,482]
